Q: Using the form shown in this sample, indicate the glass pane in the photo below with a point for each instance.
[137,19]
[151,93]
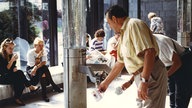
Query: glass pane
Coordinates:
[59,31]
[22,21]
[7,20]
[40,10]
[15,19]
[30,26]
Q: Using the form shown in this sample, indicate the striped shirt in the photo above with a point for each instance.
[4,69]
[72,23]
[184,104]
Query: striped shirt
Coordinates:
[96,45]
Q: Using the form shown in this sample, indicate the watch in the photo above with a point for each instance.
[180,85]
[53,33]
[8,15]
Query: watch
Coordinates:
[144,80]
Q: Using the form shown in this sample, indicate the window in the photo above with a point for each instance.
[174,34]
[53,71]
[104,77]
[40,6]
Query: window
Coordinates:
[23,20]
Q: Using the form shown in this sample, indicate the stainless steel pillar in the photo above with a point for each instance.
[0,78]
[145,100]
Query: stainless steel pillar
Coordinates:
[184,22]
[74,29]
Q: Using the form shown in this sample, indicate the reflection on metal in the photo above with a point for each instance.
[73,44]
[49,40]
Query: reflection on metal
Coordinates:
[74,29]
[184,21]
[75,82]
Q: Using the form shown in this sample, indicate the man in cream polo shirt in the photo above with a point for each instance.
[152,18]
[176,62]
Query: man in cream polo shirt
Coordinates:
[138,52]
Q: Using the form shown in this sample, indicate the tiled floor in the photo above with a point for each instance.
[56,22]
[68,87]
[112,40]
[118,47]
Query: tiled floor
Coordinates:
[109,100]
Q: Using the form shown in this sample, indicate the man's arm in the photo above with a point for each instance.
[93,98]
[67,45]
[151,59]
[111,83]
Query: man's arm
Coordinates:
[176,64]
[39,63]
[112,75]
[149,60]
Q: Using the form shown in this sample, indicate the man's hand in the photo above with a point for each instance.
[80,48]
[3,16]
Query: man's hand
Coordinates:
[14,57]
[102,87]
[15,69]
[37,61]
[33,71]
[126,85]
[40,54]
[143,91]
[111,76]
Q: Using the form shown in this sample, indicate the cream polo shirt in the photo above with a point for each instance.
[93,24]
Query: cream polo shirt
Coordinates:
[135,38]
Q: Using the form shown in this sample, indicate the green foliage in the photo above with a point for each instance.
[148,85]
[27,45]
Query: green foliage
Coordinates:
[9,21]
[5,22]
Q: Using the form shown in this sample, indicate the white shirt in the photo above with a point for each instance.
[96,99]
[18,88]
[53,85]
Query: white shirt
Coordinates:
[111,43]
[167,48]
[31,55]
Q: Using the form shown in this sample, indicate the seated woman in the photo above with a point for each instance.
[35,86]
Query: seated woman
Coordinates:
[9,73]
[37,69]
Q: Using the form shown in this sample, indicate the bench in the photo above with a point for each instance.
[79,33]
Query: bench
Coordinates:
[6,91]
[57,75]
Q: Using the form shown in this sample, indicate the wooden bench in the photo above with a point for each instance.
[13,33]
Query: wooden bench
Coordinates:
[57,75]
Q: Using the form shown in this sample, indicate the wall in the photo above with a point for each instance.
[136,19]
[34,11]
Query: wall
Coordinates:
[166,9]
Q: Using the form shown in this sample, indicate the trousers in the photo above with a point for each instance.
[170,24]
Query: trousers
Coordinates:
[157,85]
[44,81]
[17,80]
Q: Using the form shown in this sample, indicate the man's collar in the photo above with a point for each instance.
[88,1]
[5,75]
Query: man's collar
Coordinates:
[125,23]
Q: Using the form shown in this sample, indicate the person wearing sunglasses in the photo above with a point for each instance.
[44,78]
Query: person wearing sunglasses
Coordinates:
[9,74]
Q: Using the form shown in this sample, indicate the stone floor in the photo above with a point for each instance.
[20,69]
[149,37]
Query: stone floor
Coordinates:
[109,100]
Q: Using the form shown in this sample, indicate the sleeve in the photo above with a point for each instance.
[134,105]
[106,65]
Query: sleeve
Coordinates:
[44,57]
[3,65]
[13,65]
[179,48]
[141,36]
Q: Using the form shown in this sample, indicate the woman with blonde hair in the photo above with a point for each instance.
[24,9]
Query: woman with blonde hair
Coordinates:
[9,74]
[37,69]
